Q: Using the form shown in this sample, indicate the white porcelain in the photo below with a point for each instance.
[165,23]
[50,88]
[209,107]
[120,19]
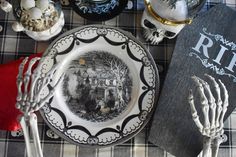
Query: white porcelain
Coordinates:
[109,88]
[43,35]
[39,19]
[48,34]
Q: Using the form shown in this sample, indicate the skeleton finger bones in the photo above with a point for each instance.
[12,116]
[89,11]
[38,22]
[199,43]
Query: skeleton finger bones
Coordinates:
[29,99]
[213,109]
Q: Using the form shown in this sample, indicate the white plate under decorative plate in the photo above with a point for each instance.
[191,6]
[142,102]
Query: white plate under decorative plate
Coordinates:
[109,88]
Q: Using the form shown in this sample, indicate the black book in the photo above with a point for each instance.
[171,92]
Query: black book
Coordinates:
[207,46]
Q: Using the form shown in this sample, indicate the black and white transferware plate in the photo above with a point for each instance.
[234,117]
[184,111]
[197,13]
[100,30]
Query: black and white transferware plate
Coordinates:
[108,90]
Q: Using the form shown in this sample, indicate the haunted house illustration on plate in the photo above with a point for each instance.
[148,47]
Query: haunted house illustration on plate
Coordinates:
[97,86]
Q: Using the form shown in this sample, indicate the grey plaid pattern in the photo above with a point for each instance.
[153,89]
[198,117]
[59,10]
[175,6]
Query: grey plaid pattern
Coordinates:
[14,45]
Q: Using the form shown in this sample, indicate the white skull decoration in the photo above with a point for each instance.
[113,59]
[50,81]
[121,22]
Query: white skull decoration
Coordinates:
[163,19]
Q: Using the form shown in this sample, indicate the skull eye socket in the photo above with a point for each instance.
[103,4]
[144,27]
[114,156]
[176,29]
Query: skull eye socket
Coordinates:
[170,34]
[148,24]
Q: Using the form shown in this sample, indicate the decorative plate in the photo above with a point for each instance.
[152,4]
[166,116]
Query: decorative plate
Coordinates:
[98,10]
[109,87]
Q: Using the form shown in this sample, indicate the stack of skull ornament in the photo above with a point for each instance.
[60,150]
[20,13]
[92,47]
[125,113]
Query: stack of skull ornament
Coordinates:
[40,19]
[38,15]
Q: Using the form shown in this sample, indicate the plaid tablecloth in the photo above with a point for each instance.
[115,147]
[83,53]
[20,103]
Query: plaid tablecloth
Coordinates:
[14,45]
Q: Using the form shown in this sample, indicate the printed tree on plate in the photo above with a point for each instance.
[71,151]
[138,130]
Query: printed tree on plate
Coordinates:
[120,70]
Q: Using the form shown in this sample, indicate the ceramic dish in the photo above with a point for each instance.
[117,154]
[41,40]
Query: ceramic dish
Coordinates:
[109,87]
[98,10]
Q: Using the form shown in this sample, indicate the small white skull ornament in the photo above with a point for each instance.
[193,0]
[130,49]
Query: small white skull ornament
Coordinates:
[162,19]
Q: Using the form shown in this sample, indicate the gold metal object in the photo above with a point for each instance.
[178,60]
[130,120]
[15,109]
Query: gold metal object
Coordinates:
[164,20]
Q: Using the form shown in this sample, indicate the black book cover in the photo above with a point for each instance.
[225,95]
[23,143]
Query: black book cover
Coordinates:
[208,45]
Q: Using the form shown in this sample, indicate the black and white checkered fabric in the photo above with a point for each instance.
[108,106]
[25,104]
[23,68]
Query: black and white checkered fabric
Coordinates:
[14,45]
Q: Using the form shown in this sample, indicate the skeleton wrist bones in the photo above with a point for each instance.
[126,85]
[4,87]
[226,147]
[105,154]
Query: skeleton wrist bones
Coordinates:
[30,86]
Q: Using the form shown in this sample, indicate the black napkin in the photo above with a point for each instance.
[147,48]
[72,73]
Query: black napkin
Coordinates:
[205,46]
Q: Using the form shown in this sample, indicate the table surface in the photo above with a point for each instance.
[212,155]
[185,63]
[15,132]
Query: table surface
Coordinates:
[14,45]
